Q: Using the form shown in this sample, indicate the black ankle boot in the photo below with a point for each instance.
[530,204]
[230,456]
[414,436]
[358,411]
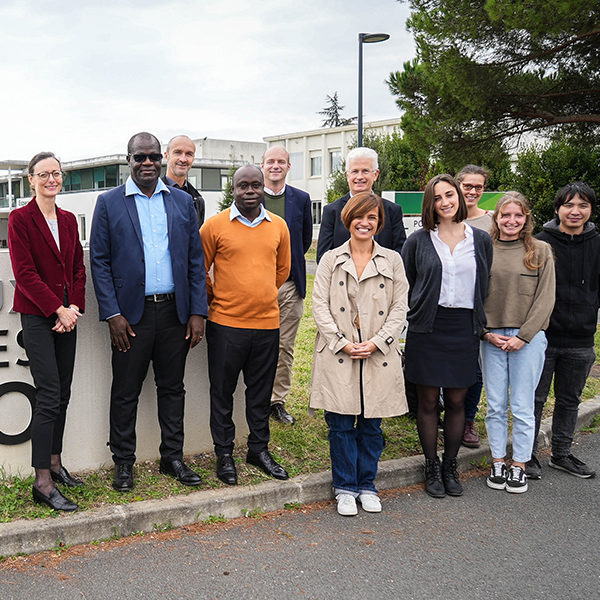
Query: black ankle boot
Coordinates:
[450,477]
[433,478]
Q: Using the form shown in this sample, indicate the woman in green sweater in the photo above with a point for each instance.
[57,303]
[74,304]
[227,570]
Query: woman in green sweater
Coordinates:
[518,308]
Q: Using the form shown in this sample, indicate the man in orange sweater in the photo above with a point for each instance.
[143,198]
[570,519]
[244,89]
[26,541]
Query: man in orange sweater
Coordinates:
[248,249]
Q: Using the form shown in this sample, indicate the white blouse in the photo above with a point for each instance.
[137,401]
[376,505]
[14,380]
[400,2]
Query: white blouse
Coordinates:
[459,269]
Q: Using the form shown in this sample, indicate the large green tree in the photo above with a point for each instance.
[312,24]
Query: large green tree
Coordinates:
[540,172]
[489,71]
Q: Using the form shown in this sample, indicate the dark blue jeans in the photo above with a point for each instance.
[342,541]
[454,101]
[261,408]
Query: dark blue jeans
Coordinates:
[355,445]
[473,396]
[570,368]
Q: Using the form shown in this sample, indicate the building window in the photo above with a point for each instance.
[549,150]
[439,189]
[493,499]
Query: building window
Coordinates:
[73,181]
[297,168]
[111,176]
[316,166]
[316,212]
[82,230]
[211,180]
[99,178]
[335,160]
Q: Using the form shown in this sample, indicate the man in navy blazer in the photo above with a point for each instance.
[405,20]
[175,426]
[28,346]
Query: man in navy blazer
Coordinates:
[362,170]
[148,271]
[294,206]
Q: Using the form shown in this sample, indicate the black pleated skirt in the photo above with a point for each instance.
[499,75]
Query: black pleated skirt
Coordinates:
[447,357]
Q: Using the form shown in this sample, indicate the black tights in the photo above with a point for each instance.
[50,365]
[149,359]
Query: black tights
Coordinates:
[427,419]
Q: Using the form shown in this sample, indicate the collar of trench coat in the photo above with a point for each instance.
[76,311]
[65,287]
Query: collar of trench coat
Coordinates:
[378,265]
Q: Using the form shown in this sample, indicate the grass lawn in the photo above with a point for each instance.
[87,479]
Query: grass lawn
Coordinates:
[303,448]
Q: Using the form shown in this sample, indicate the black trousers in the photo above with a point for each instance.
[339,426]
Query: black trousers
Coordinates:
[51,360]
[160,338]
[254,353]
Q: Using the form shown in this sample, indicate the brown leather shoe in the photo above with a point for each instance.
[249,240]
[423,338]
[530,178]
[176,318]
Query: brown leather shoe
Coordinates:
[470,437]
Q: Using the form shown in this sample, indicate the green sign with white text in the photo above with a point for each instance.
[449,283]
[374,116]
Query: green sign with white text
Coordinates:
[411,201]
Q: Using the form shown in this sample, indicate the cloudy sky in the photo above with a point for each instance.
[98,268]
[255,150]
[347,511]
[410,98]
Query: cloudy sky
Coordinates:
[79,77]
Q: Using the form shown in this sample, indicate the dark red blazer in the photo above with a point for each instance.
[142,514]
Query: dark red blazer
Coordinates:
[42,271]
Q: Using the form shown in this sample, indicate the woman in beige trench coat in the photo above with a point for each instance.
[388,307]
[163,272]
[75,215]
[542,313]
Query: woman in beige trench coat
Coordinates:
[359,306]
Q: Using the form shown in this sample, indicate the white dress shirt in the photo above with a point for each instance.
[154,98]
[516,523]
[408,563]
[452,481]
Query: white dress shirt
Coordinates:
[459,270]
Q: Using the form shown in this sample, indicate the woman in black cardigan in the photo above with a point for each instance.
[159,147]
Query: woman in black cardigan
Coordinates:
[447,265]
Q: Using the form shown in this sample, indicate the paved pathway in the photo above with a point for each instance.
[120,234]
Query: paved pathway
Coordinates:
[487,545]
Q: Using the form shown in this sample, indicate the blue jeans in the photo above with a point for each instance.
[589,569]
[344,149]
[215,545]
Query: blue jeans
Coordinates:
[570,368]
[355,445]
[517,374]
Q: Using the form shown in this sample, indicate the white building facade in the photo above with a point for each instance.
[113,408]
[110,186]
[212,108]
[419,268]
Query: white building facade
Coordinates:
[316,154]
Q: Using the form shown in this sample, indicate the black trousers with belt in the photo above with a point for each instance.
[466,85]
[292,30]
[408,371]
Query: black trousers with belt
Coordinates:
[160,338]
[254,353]
[51,360]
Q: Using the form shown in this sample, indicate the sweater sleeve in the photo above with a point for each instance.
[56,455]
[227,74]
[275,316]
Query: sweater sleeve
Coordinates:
[541,307]
[209,246]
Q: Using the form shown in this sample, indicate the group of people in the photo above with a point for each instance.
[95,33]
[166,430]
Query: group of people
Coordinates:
[160,271]
[486,303]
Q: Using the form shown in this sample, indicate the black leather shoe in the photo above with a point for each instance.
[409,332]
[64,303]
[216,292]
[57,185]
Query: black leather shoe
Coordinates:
[279,413]
[181,472]
[226,470]
[264,461]
[55,500]
[123,479]
[63,476]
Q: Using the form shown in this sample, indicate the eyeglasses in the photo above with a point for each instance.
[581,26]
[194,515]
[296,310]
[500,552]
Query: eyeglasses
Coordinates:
[45,175]
[363,172]
[140,158]
[469,186]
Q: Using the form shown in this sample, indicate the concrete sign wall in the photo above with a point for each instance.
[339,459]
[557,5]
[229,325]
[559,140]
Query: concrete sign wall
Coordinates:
[86,433]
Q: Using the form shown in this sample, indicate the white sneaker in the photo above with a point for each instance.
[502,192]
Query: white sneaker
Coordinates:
[346,505]
[370,502]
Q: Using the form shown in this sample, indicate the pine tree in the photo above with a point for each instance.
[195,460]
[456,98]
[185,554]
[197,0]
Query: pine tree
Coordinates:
[332,113]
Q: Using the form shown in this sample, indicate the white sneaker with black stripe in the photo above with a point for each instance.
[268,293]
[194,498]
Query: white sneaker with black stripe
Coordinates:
[498,476]
[517,480]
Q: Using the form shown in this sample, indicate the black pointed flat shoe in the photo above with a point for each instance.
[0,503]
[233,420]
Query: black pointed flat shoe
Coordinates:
[63,476]
[55,500]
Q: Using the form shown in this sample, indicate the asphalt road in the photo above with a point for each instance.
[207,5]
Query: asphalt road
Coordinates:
[543,544]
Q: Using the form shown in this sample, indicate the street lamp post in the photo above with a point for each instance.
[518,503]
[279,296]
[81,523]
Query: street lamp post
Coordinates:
[365,38]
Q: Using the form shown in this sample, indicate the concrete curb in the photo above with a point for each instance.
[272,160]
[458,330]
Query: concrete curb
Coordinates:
[151,515]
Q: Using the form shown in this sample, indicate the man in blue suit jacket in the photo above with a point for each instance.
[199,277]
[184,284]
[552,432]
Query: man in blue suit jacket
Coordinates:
[148,270]
[294,206]
[362,170]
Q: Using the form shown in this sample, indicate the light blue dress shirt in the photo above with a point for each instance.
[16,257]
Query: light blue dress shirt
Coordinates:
[235,213]
[153,223]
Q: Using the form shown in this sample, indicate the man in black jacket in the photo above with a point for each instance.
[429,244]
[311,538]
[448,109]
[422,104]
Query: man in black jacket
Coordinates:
[362,170]
[570,352]
[180,154]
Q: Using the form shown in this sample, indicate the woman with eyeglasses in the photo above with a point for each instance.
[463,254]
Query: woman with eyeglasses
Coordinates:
[47,262]
[473,180]
[447,265]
